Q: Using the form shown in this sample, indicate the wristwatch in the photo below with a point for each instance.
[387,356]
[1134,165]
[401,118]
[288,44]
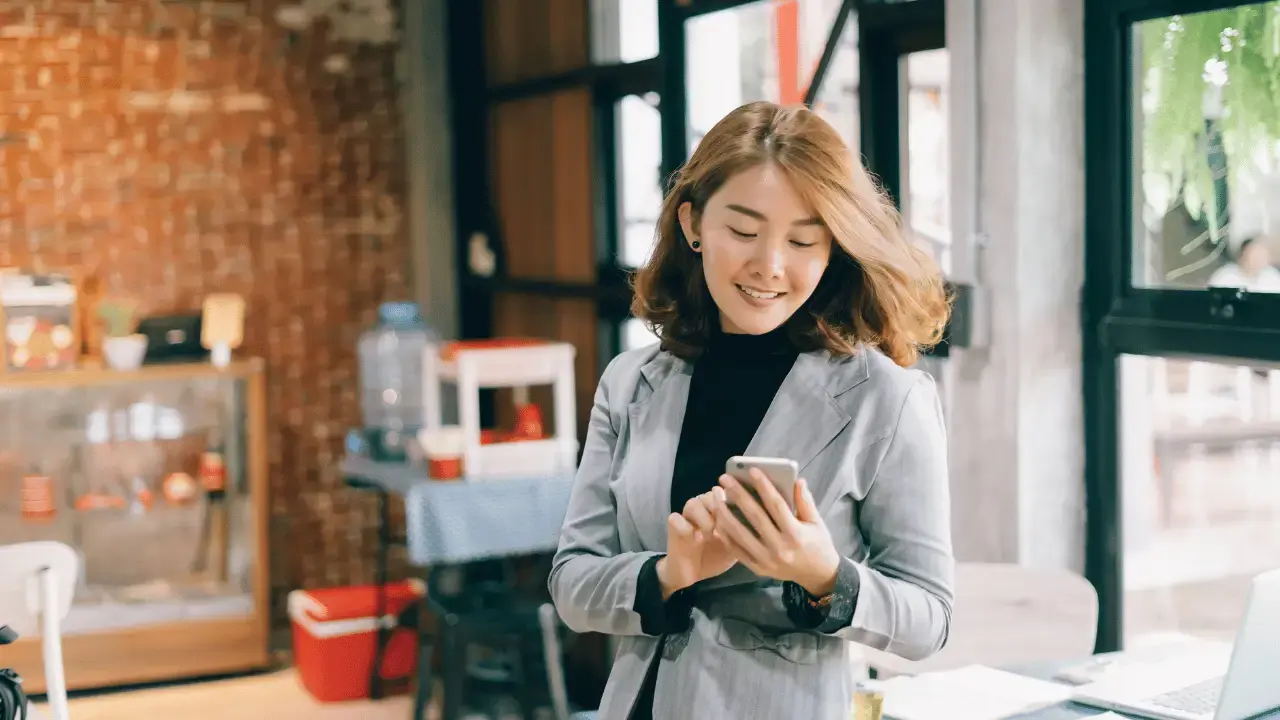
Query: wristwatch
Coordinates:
[819,602]
[805,609]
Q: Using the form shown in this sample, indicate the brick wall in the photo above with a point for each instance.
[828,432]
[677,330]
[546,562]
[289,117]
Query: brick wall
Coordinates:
[174,148]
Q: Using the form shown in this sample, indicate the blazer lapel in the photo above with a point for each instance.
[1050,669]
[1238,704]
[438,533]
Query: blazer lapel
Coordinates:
[655,422]
[804,416]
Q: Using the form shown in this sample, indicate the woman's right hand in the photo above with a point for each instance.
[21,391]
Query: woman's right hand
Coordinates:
[693,552]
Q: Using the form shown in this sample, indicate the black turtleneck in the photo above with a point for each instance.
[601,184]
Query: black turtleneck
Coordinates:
[733,383]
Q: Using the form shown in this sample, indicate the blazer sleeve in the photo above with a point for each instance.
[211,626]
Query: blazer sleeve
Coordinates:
[906,588]
[593,584]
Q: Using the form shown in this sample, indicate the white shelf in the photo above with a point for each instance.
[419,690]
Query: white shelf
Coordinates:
[523,366]
[509,367]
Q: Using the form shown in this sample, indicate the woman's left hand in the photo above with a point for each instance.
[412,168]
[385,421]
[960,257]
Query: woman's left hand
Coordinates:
[784,546]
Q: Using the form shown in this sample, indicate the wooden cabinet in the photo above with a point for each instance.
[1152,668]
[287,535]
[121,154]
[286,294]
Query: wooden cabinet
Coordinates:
[172,584]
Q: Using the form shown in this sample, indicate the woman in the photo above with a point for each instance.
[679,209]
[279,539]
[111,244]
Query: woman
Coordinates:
[1251,270]
[789,306]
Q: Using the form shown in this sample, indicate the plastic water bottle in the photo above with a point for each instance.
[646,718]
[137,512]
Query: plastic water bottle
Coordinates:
[390,359]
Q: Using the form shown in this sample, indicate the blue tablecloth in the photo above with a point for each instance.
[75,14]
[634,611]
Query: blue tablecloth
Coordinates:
[464,521]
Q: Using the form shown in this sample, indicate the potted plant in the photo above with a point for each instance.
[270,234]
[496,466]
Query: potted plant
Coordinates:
[123,348]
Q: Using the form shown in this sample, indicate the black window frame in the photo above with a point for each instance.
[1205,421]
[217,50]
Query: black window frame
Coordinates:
[472,99]
[887,33]
[1121,319]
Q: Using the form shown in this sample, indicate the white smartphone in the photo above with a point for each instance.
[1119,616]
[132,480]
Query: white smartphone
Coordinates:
[783,473]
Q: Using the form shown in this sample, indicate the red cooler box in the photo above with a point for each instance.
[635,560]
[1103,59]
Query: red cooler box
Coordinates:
[335,639]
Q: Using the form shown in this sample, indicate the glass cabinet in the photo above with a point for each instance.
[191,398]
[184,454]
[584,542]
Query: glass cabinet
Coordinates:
[157,479]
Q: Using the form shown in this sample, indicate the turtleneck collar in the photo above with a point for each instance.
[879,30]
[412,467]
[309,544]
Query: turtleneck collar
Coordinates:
[774,342]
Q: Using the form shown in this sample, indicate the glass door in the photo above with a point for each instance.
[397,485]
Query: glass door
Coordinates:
[1182,313]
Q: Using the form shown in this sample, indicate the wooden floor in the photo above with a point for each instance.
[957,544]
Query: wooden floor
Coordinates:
[277,696]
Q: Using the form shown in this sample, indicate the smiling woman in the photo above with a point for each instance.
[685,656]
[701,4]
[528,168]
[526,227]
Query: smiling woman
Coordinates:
[788,306]
[773,221]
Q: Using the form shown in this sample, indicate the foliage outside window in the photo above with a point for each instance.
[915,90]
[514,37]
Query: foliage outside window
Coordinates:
[1222,66]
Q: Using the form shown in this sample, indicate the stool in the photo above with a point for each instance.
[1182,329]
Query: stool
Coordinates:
[503,622]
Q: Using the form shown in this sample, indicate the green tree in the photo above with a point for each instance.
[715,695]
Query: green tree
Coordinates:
[1237,49]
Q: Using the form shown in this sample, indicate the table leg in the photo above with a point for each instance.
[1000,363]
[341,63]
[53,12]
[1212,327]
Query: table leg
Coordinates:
[426,654]
[454,655]
[425,686]
[380,604]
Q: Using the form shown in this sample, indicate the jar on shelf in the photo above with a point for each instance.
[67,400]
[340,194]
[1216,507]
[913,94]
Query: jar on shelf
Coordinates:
[390,360]
[103,457]
[39,494]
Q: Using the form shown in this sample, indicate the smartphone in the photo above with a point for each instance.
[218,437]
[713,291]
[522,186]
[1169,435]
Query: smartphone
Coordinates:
[782,473]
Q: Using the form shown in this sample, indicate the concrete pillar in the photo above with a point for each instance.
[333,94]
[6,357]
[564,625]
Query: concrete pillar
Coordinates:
[1017,457]
[428,141]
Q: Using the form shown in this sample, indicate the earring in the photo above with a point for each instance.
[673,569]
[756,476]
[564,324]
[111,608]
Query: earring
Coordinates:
[696,244]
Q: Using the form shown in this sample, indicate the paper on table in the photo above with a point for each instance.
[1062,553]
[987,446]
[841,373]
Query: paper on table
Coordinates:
[974,692]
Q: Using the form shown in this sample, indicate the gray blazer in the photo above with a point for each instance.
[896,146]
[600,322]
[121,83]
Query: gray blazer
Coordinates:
[869,438]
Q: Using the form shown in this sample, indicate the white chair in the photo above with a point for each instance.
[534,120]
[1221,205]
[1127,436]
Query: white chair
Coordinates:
[37,582]
[551,628]
[1007,615]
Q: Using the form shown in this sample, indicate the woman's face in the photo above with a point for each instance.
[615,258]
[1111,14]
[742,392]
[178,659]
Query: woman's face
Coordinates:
[1255,257]
[763,251]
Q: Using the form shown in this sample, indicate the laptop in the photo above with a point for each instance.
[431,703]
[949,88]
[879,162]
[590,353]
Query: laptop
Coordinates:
[1238,685]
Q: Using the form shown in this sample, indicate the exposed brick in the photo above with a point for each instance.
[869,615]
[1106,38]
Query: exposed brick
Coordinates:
[177,149]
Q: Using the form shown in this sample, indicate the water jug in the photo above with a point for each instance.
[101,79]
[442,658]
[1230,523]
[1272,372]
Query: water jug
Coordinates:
[390,359]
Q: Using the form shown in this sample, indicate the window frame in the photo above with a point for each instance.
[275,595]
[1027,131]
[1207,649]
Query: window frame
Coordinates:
[1121,319]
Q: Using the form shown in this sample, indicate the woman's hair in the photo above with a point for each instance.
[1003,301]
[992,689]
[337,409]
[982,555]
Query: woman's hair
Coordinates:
[879,289]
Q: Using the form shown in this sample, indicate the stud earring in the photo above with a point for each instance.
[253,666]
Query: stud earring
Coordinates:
[696,244]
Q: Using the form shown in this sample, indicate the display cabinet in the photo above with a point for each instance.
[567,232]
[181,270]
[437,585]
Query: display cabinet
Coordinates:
[158,479]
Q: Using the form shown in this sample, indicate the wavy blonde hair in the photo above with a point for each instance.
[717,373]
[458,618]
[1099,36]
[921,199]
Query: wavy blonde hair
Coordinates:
[879,289]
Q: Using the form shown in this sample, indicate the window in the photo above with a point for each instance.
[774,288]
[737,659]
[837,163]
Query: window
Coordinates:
[639,176]
[635,334]
[623,31]
[1182,158]
[1206,168]
[758,51]
[837,97]
[1200,452]
[926,175]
